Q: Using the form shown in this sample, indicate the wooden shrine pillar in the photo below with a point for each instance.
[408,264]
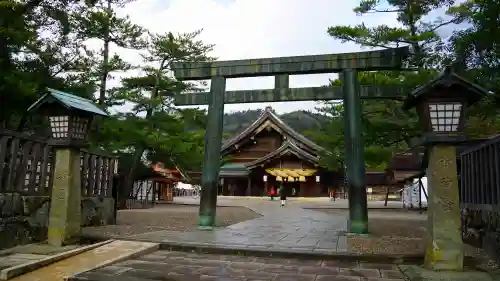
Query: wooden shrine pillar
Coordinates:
[302,189]
[166,191]
[249,187]
[162,191]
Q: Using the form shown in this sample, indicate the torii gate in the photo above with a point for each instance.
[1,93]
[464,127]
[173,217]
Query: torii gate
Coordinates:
[347,64]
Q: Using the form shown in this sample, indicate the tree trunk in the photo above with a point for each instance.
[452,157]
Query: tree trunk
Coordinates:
[128,183]
[105,58]
[386,196]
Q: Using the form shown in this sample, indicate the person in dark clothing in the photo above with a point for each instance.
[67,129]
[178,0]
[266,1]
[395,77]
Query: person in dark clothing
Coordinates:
[282,193]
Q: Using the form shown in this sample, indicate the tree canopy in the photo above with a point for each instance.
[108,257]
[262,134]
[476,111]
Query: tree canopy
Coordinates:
[387,129]
[75,46]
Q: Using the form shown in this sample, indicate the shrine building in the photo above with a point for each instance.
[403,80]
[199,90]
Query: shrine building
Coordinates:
[270,152]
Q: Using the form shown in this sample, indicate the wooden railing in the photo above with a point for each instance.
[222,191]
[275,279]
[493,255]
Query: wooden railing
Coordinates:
[97,170]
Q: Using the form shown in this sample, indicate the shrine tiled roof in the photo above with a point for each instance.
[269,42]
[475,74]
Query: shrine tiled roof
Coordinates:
[287,147]
[266,115]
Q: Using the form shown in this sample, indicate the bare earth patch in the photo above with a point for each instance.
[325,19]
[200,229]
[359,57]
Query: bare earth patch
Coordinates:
[166,217]
[391,232]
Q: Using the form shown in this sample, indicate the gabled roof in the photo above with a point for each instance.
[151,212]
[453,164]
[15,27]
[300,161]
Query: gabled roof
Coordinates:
[377,178]
[447,78]
[287,147]
[233,170]
[176,174]
[406,162]
[267,114]
[69,101]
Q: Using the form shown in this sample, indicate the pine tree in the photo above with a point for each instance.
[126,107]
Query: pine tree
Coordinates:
[37,50]
[387,129]
[154,126]
[101,22]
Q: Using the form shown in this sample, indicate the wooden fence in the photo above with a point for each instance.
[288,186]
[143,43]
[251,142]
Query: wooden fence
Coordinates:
[26,167]
[144,194]
[480,195]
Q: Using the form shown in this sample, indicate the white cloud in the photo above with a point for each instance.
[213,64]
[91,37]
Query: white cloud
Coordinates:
[242,29]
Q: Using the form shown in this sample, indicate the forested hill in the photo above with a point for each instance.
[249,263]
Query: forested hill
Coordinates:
[301,121]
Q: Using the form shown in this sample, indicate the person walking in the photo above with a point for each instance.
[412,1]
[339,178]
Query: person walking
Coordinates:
[282,193]
[272,193]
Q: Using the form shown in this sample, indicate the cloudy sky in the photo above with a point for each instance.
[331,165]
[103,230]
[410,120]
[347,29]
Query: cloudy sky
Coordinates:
[242,29]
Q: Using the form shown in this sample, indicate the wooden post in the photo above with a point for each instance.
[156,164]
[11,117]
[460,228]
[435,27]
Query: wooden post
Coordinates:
[419,194]
[386,196]
[249,187]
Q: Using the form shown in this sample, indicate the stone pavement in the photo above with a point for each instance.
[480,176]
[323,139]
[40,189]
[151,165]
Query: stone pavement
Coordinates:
[302,202]
[290,229]
[182,266]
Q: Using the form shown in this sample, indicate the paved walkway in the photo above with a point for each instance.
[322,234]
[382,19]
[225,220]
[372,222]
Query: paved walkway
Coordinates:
[182,266]
[303,202]
[288,229]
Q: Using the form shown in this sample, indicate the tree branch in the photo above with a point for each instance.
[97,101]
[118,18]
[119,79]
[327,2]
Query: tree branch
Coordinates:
[383,11]
[441,25]
[366,43]
[373,112]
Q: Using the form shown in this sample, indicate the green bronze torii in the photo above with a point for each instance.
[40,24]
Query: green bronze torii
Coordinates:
[347,64]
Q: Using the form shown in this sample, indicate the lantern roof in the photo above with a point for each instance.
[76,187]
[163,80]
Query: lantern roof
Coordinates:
[69,101]
[448,78]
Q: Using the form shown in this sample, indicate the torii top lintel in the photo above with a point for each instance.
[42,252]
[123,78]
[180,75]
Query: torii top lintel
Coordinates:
[387,59]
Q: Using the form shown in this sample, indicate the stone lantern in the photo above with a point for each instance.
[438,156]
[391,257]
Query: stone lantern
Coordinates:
[69,119]
[441,105]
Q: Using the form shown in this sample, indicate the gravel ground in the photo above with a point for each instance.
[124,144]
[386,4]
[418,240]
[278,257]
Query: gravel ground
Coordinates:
[167,217]
[403,232]
[391,231]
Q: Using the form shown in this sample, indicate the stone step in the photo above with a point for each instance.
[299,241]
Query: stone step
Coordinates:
[93,276]
[107,254]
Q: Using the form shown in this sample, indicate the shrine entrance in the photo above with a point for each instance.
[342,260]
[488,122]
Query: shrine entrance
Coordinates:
[347,64]
[293,189]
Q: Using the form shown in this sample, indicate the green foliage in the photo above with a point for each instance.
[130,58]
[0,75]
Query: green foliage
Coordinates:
[167,134]
[44,44]
[476,51]
[37,50]
[386,128]
[420,34]
[99,21]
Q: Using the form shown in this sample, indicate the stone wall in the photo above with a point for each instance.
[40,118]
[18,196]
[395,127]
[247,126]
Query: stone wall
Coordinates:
[481,229]
[25,219]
